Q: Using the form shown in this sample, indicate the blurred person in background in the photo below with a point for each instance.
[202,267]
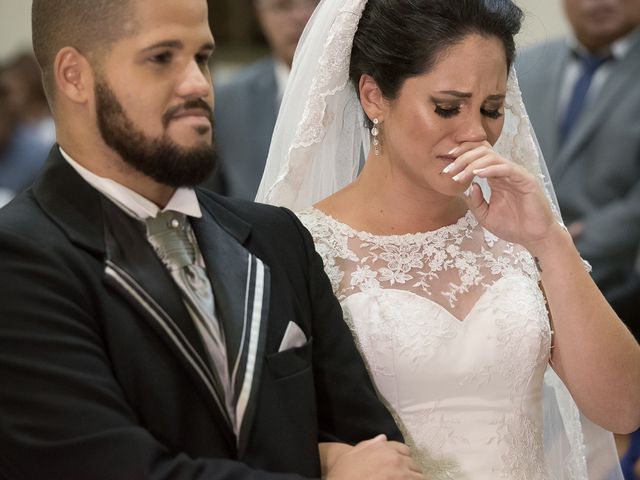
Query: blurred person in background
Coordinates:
[625,299]
[247,106]
[583,98]
[7,127]
[27,131]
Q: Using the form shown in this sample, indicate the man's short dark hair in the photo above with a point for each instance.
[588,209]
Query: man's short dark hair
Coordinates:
[90,26]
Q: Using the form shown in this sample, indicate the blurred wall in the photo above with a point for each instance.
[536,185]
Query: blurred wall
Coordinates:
[15,27]
[544,19]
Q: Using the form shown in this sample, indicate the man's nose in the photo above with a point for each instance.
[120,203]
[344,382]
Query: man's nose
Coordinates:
[195,83]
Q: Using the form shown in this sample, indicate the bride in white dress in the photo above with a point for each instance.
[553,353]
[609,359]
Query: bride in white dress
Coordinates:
[455,274]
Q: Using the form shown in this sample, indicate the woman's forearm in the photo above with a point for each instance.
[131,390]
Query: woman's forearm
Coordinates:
[594,353]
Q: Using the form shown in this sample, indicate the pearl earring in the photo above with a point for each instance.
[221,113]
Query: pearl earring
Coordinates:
[375,133]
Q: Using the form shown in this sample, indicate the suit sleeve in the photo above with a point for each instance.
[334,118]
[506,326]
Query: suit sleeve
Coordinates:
[349,409]
[613,229]
[63,415]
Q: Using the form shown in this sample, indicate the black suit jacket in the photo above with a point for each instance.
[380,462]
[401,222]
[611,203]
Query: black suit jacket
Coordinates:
[104,374]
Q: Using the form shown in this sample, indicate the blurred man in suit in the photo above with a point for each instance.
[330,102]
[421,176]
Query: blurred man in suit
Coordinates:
[247,107]
[583,98]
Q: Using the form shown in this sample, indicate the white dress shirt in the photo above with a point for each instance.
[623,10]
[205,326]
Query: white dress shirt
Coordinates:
[184,200]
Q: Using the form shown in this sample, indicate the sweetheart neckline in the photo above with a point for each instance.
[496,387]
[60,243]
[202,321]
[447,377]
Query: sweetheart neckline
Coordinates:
[440,307]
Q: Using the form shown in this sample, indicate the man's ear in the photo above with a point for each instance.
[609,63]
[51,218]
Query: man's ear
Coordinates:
[373,101]
[73,75]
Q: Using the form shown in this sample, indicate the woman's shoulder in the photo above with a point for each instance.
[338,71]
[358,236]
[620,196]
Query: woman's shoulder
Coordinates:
[323,226]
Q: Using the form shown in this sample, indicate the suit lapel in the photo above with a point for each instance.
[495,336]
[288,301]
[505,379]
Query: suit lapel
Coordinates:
[131,268]
[623,76]
[548,131]
[241,286]
[265,106]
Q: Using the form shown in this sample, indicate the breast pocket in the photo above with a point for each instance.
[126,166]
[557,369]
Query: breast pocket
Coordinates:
[290,362]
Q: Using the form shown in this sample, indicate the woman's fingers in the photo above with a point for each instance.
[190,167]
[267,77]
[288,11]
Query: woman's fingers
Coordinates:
[471,159]
[476,165]
[508,176]
[476,202]
[467,147]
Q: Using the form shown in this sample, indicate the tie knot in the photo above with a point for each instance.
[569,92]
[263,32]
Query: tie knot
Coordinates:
[590,63]
[167,232]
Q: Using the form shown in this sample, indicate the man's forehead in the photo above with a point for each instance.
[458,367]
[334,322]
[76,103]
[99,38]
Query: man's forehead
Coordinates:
[160,12]
[169,21]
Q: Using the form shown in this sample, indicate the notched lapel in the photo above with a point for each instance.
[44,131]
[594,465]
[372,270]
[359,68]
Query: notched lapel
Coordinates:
[134,270]
[622,77]
[549,133]
[241,288]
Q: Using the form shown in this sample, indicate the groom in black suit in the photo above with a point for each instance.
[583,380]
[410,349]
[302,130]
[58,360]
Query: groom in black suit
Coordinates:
[111,369]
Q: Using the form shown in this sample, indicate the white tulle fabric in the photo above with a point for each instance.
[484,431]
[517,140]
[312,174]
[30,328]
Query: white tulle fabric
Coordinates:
[451,323]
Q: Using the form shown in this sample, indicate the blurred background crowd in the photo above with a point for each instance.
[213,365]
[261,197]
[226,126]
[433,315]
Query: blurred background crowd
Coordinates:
[578,67]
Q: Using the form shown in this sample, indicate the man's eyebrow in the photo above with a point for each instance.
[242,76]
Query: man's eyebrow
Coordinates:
[177,44]
[166,44]
[496,97]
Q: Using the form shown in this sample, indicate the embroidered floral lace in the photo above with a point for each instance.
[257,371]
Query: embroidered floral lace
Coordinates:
[455,333]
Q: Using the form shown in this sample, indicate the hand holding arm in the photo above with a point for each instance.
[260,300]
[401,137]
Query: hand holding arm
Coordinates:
[375,459]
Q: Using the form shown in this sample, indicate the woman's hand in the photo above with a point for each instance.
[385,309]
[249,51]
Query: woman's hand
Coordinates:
[330,452]
[518,210]
[373,459]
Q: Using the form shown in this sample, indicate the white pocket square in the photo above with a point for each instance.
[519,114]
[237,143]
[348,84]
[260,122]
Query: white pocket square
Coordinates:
[293,337]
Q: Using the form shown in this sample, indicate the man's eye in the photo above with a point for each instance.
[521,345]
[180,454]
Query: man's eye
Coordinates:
[162,58]
[202,58]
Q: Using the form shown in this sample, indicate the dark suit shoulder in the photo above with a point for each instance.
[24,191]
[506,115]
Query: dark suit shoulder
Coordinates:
[24,218]
[536,55]
[248,75]
[266,220]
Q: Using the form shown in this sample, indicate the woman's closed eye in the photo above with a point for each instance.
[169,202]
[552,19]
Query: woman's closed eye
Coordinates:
[492,112]
[447,111]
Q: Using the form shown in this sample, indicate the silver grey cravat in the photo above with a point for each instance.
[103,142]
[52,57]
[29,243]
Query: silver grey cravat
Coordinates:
[169,233]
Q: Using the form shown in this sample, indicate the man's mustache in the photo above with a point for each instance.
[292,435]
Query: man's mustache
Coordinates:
[191,104]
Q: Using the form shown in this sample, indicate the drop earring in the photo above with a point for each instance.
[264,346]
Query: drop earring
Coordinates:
[375,134]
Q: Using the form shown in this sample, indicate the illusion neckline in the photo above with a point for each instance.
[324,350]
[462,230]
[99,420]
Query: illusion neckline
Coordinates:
[466,223]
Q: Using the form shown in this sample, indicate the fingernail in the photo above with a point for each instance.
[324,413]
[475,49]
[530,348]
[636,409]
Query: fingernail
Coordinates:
[453,150]
[479,171]
[448,168]
[458,177]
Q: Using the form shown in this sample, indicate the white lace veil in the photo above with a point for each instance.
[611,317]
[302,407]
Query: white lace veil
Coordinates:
[319,141]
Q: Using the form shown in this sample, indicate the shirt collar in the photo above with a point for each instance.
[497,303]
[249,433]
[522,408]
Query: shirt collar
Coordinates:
[184,200]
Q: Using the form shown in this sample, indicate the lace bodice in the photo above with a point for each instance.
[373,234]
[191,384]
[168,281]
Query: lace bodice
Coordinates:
[455,333]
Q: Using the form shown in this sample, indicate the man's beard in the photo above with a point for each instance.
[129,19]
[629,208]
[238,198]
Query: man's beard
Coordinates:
[160,158]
